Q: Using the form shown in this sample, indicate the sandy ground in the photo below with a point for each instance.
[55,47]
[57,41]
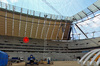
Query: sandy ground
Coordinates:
[55,63]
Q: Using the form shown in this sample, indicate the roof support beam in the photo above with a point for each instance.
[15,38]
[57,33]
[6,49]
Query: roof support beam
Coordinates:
[96,6]
[20,22]
[72,32]
[6,21]
[13,22]
[81,30]
[57,36]
[85,14]
[26,22]
[54,27]
[37,26]
[89,18]
[48,27]
[45,16]
[74,18]
[79,16]
[32,24]
[63,30]
[89,9]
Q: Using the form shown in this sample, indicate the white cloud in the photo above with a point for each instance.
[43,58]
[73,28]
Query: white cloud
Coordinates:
[13,1]
[5,1]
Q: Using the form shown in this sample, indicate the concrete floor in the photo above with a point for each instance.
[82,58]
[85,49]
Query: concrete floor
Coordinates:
[55,63]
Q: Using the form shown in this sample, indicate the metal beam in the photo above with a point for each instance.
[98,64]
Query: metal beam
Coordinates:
[38,25]
[32,24]
[20,22]
[89,18]
[48,27]
[6,21]
[57,36]
[89,9]
[13,22]
[26,22]
[72,32]
[45,16]
[79,15]
[96,6]
[75,18]
[85,13]
[54,27]
[81,30]
[64,30]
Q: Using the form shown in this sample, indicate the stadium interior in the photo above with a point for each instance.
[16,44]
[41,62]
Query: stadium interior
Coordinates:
[54,39]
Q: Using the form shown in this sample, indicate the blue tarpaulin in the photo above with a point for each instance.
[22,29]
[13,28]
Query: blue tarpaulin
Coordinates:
[3,58]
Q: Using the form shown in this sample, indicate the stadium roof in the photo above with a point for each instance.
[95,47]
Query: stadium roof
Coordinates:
[83,13]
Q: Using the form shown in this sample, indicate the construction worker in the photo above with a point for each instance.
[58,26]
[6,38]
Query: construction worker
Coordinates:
[31,59]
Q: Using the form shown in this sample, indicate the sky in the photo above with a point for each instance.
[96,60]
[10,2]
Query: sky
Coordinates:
[64,7]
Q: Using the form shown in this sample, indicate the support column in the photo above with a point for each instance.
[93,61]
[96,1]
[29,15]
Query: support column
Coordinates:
[38,25]
[20,21]
[26,22]
[57,36]
[13,22]
[54,27]
[45,19]
[63,30]
[32,24]
[48,27]
[6,21]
